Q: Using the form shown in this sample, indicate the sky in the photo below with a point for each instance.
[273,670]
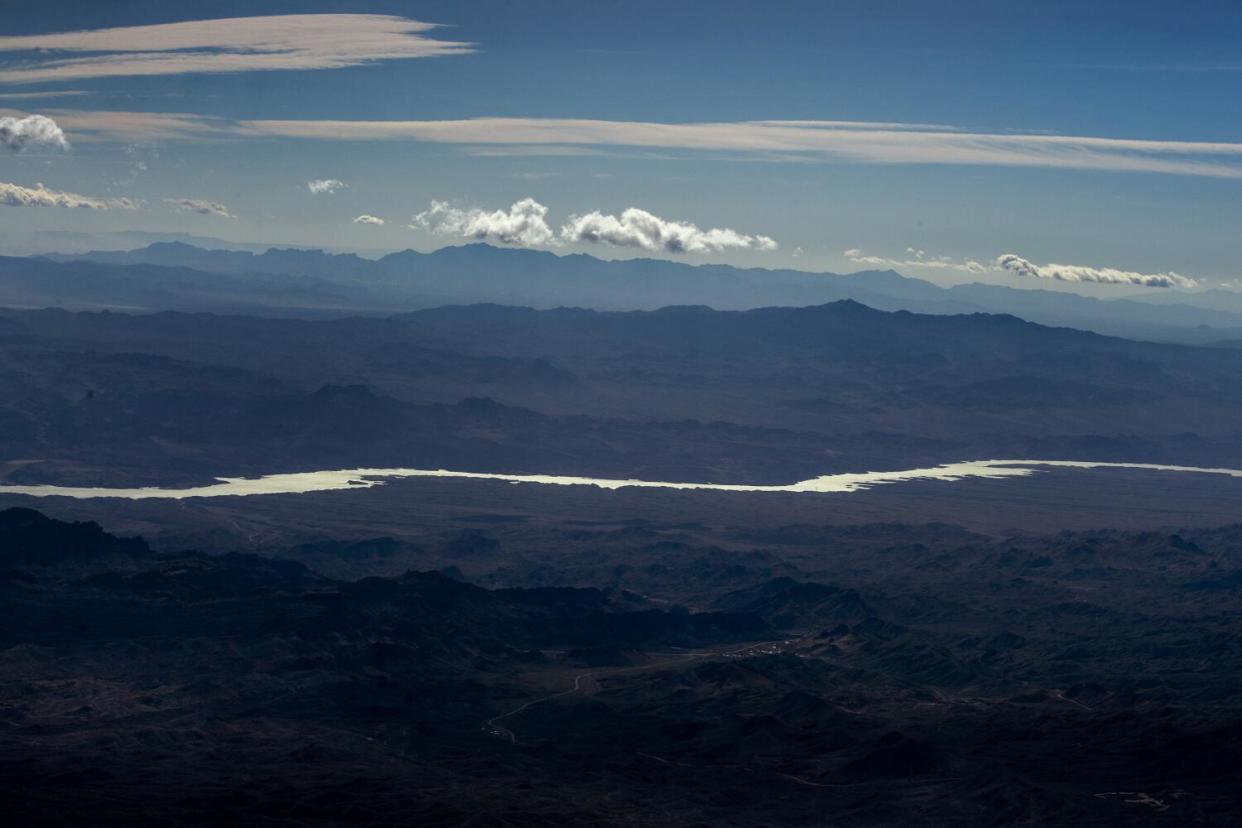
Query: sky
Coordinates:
[1094,147]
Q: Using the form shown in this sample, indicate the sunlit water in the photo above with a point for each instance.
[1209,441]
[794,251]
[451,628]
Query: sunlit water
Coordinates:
[322,481]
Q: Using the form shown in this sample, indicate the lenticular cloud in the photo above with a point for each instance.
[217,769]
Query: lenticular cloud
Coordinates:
[239,44]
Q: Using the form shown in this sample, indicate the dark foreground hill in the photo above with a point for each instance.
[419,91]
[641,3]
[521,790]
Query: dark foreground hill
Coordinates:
[769,395]
[888,675]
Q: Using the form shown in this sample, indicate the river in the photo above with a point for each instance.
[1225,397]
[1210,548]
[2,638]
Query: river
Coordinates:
[339,479]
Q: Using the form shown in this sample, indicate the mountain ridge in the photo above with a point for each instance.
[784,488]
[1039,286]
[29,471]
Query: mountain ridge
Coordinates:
[410,280]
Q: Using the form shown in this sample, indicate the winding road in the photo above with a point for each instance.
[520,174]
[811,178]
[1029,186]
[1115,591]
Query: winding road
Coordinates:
[492,726]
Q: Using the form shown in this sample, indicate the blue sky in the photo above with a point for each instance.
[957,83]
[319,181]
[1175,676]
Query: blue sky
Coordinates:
[969,131]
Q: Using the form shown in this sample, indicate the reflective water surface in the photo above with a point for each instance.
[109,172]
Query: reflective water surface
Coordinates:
[319,481]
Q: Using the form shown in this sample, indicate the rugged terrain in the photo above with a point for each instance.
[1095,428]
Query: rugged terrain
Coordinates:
[882,674]
[1059,648]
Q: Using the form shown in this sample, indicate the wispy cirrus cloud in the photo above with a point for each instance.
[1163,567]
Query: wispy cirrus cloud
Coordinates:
[47,93]
[15,195]
[641,229]
[135,127]
[198,205]
[239,44]
[368,219]
[19,134]
[918,258]
[793,141]
[1086,273]
[773,141]
[328,186]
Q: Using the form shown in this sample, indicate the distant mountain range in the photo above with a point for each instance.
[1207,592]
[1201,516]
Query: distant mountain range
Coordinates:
[174,275]
[43,242]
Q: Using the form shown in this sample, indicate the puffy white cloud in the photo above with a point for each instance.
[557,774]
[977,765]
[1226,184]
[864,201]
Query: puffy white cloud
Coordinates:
[239,44]
[329,186]
[17,134]
[1084,273]
[638,228]
[196,205]
[15,195]
[918,258]
[524,224]
[366,219]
